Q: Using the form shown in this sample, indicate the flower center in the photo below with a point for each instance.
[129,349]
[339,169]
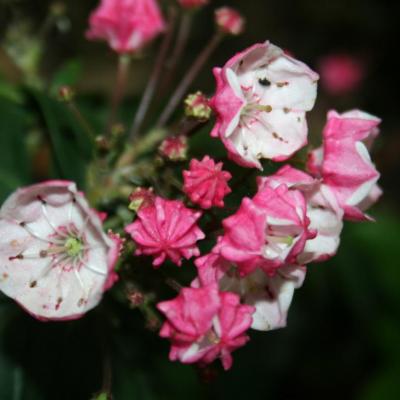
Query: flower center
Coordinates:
[73,246]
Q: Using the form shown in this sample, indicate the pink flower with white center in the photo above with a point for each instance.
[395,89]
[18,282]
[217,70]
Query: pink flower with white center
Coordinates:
[267,232]
[341,73]
[192,3]
[166,229]
[323,211]
[345,166]
[270,296]
[261,100]
[174,148]
[55,260]
[206,183]
[229,21]
[204,324]
[127,25]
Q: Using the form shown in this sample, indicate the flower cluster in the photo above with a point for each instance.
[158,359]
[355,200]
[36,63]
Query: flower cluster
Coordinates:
[56,261]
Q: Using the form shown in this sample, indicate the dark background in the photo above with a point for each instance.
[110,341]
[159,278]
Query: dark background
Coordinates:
[343,337]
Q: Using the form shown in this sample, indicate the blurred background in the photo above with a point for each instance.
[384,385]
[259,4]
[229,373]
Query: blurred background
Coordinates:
[343,337]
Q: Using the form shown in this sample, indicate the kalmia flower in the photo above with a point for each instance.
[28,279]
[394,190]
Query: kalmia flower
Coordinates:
[206,183]
[204,324]
[267,232]
[55,260]
[229,20]
[323,211]
[261,100]
[127,25]
[270,296]
[344,163]
[166,229]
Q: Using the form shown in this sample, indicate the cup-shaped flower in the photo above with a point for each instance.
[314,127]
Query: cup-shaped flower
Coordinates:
[323,211]
[267,232]
[344,162]
[55,260]
[127,25]
[166,229]
[261,99]
[271,296]
[206,183]
[204,324]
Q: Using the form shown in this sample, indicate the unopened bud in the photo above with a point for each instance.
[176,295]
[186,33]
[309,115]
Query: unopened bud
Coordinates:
[197,106]
[174,148]
[102,143]
[66,93]
[229,21]
[136,298]
[141,197]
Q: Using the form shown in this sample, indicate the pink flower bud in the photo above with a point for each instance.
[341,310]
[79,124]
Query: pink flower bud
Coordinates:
[55,259]
[206,183]
[197,106]
[341,73]
[166,229]
[229,20]
[127,25]
[141,197]
[174,148]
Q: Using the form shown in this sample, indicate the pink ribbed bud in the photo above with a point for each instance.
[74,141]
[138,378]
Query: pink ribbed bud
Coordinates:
[206,183]
[166,229]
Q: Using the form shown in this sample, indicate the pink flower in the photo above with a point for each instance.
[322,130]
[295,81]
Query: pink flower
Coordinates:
[174,148]
[341,73]
[267,232]
[206,183]
[192,3]
[229,20]
[127,25]
[166,229]
[345,166]
[55,260]
[270,296]
[261,100]
[204,324]
[323,211]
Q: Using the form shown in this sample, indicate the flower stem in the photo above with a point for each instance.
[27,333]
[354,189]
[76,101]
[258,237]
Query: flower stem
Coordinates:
[180,45]
[189,78]
[154,77]
[81,120]
[118,94]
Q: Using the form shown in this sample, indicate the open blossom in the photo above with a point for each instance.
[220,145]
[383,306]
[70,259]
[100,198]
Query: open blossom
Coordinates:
[267,232]
[323,211]
[127,25]
[344,163]
[166,229]
[229,20]
[270,296]
[204,324]
[261,100]
[206,183]
[55,260]
[341,73]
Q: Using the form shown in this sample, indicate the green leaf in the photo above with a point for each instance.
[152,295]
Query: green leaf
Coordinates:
[14,162]
[71,146]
